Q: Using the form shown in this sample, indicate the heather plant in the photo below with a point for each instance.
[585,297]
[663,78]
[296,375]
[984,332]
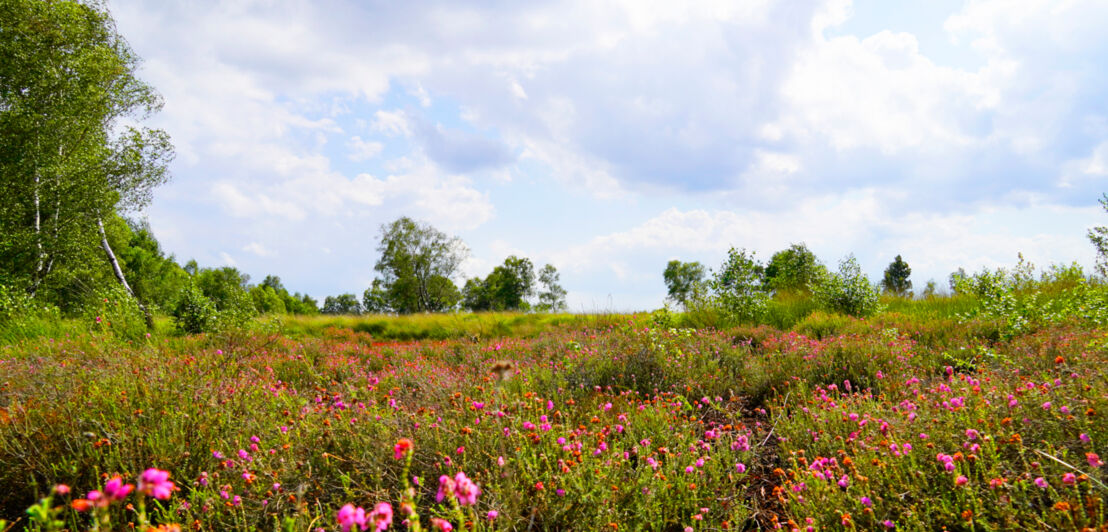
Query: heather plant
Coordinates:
[918,420]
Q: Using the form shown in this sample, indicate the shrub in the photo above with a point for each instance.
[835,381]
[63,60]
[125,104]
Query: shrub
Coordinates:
[739,288]
[23,317]
[194,312]
[848,291]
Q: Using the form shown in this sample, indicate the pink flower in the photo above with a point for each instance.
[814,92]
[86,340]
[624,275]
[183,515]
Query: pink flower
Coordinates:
[116,490]
[1041,482]
[1094,460]
[740,467]
[844,481]
[1069,479]
[441,524]
[493,514]
[381,516]
[467,490]
[446,488]
[961,480]
[349,516]
[155,483]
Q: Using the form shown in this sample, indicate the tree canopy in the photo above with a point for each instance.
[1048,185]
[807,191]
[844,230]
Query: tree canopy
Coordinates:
[416,268]
[70,156]
[794,269]
[683,280]
[896,277]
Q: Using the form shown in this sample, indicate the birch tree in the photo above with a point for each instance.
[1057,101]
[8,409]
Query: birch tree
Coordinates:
[71,153]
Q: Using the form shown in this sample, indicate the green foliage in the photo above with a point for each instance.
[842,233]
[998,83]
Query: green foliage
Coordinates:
[416,266]
[896,279]
[267,300]
[68,87]
[342,304]
[738,288]
[552,297]
[848,291]
[1023,303]
[155,278]
[793,270]
[194,313]
[112,311]
[684,281]
[1099,238]
[23,317]
[506,288]
[224,286]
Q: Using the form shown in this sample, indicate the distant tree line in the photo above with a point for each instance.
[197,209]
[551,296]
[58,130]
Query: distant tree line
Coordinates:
[743,286]
[416,272]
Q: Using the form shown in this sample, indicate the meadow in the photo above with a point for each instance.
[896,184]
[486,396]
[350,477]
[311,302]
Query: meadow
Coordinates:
[921,417]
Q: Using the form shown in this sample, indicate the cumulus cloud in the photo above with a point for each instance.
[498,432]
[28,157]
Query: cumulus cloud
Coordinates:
[763,120]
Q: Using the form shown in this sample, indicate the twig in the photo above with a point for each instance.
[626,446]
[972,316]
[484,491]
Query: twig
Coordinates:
[1101,484]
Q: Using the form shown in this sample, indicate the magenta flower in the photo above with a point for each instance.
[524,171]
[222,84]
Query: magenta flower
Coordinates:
[1094,459]
[155,483]
[961,480]
[1069,479]
[381,516]
[467,490]
[116,490]
[349,516]
[1041,482]
[441,525]
[446,488]
[493,514]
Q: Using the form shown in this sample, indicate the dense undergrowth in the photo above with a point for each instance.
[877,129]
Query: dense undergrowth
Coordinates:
[935,413]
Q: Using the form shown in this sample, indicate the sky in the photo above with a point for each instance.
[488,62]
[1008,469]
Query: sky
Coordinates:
[610,137]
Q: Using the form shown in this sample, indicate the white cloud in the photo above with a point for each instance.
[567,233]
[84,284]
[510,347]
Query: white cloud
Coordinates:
[363,150]
[391,123]
[227,259]
[258,249]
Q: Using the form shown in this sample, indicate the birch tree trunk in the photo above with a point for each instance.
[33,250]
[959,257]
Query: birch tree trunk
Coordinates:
[119,273]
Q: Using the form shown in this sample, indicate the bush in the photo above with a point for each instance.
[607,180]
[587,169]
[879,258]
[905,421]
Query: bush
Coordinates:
[738,288]
[194,312]
[23,317]
[115,311]
[847,291]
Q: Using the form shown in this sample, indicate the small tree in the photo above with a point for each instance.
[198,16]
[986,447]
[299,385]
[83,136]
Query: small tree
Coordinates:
[684,280]
[342,304]
[1099,237]
[739,288]
[847,291]
[506,288]
[416,266]
[552,297]
[896,277]
[793,269]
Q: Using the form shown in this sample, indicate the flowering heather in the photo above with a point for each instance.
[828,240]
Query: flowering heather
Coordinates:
[893,422]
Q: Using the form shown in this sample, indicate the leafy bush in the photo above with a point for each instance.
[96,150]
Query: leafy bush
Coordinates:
[1023,303]
[194,312]
[848,291]
[739,289]
[23,317]
[116,312]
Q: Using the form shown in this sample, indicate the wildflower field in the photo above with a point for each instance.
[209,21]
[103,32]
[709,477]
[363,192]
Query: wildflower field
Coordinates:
[911,420]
